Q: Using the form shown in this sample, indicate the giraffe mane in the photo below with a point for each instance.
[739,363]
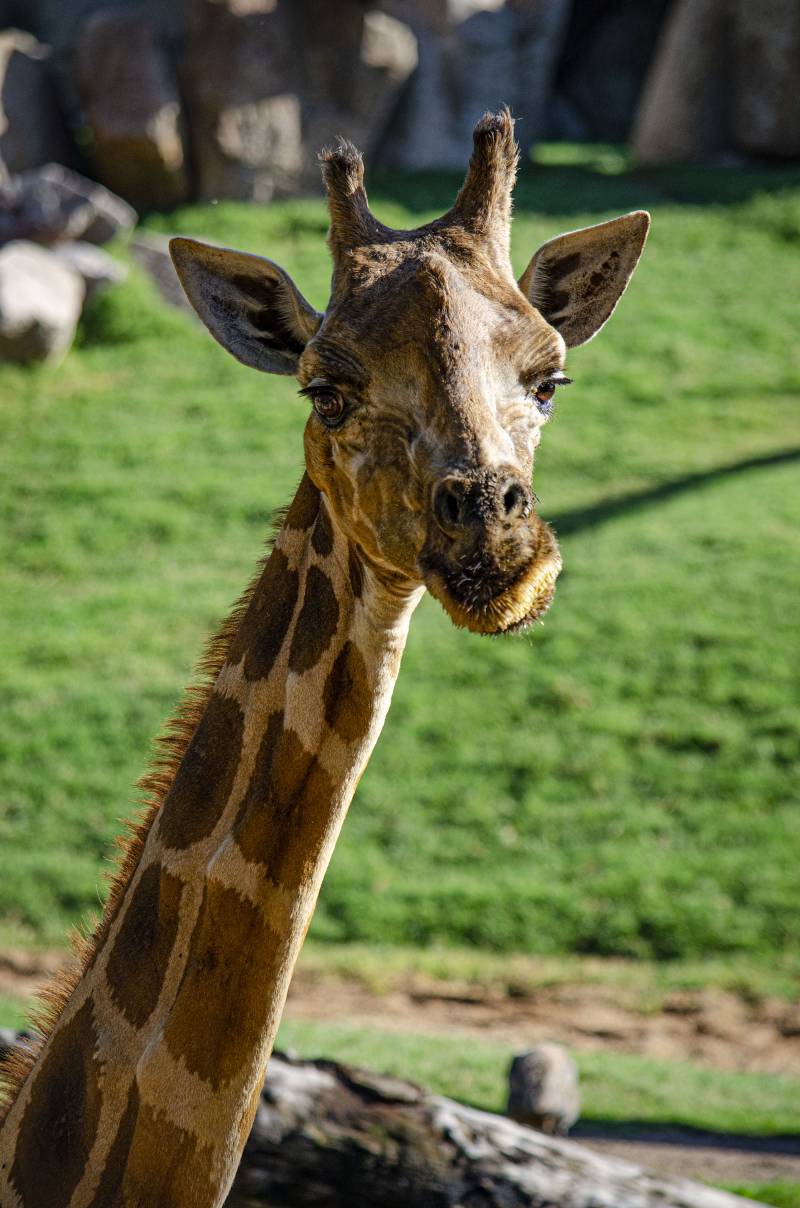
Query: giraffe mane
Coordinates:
[152,789]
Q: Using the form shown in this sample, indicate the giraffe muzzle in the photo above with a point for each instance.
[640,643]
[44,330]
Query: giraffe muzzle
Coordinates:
[489,559]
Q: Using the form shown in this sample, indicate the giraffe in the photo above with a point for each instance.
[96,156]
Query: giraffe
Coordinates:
[429,377]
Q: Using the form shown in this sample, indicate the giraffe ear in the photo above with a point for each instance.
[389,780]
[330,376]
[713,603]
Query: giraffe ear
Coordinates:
[250,305]
[576,280]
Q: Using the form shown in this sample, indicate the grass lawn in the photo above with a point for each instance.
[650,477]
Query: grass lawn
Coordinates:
[616,1088]
[781,1195]
[623,782]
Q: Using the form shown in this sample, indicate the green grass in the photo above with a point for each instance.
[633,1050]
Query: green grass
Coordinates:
[615,1088]
[781,1195]
[13,1012]
[641,984]
[621,783]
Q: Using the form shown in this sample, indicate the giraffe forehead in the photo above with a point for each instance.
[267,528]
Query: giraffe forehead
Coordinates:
[428,322]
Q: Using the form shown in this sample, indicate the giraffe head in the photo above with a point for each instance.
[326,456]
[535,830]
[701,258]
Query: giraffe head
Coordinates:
[430,374]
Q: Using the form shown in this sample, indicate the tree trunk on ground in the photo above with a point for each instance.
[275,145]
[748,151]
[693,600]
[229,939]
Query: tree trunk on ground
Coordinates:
[337,1137]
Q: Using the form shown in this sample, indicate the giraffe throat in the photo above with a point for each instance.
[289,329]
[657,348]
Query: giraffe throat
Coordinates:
[145,1088]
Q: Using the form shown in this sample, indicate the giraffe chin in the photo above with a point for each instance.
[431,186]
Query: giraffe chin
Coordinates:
[515,608]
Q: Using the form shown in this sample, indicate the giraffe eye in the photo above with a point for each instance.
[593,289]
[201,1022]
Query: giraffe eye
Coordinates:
[544,393]
[329,406]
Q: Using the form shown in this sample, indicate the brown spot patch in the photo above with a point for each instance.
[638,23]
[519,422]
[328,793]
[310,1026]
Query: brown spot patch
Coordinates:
[559,269]
[167,1165]
[286,811]
[107,1194]
[142,948]
[347,695]
[266,622]
[322,537]
[317,622]
[59,1124]
[253,825]
[558,301]
[305,506]
[355,569]
[204,780]
[233,960]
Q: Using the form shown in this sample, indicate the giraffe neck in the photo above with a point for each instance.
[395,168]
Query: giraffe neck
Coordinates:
[145,1089]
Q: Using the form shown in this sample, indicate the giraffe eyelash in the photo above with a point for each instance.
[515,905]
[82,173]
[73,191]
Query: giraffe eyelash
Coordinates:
[543,393]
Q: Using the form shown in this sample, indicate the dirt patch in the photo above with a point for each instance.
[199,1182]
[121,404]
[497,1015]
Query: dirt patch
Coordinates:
[706,1027]
[22,974]
[709,1163]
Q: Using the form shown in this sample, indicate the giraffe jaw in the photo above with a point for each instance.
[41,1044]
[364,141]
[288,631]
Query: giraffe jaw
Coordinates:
[518,605]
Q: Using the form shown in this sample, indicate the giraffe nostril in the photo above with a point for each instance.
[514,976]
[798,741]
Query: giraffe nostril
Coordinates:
[448,505]
[516,503]
[450,508]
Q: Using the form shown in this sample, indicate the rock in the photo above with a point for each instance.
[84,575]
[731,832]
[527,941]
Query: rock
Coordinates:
[239,74]
[543,1089]
[725,78]
[269,82]
[151,253]
[32,130]
[8,1040]
[489,57]
[59,22]
[132,108]
[95,266]
[388,57]
[766,57]
[53,203]
[40,303]
[352,71]
[607,49]
[684,108]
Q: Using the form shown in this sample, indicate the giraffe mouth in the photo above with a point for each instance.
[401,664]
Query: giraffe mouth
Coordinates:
[471,604]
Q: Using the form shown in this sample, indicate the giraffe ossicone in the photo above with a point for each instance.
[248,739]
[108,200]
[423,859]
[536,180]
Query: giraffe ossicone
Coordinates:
[429,375]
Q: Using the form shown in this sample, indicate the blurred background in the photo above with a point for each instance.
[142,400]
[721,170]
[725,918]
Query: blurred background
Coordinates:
[589,835]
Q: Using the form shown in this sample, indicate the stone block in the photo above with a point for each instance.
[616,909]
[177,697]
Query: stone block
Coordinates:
[132,109]
[40,303]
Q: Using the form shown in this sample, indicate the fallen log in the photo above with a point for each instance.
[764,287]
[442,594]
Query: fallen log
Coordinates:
[339,1137]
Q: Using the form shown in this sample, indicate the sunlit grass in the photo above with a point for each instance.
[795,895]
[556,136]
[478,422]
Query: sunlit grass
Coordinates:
[623,782]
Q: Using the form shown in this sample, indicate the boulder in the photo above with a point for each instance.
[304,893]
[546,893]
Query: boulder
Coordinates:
[95,266]
[607,49]
[54,204]
[543,1089]
[269,82]
[684,111]
[725,78]
[387,58]
[485,56]
[8,1041]
[32,130]
[239,76]
[40,303]
[766,58]
[352,71]
[132,108]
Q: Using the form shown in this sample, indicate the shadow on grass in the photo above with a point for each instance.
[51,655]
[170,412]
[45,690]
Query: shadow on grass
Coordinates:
[564,188]
[566,523]
[681,1134]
